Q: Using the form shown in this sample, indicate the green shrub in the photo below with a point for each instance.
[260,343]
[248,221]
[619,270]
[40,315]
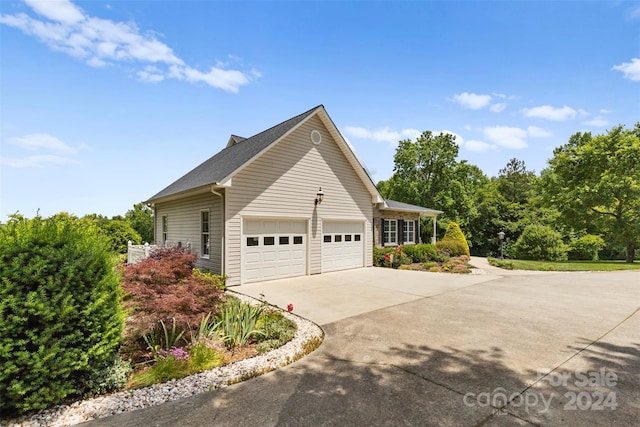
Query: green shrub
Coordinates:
[60,311]
[507,265]
[392,257]
[420,253]
[449,247]
[212,279]
[275,329]
[540,242]
[454,233]
[586,247]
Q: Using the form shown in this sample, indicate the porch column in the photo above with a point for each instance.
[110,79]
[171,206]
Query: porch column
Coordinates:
[433,238]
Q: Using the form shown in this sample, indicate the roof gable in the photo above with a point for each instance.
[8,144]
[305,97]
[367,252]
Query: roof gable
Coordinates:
[240,152]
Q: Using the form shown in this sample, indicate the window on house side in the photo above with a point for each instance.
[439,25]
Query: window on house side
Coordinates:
[408,235]
[165,229]
[390,232]
[204,232]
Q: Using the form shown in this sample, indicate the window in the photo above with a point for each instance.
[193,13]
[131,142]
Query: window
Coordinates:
[347,237]
[337,238]
[284,240]
[252,241]
[297,240]
[390,232]
[165,229]
[269,241]
[356,237]
[204,233]
[408,232]
[327,238]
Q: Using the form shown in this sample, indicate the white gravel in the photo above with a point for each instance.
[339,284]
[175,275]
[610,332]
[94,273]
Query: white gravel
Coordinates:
[124,401]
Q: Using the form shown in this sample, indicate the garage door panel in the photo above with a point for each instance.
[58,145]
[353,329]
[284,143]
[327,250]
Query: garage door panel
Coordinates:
[343,246]
[280,251]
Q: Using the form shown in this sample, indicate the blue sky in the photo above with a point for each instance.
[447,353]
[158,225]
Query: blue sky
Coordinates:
[103,104]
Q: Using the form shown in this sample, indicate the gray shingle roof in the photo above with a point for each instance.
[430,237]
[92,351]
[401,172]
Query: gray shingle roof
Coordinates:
[393,204]
[223,164]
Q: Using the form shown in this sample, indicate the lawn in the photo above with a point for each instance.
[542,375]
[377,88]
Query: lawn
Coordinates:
[516,264]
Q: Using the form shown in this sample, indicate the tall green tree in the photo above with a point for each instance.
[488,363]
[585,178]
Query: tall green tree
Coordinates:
[598,177]
[515,182]
[423,170]
[141,219]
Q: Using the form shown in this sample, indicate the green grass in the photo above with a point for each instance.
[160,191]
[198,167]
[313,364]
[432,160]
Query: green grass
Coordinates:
[516,264]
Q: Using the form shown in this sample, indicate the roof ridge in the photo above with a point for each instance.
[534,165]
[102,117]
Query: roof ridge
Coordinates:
[279,124]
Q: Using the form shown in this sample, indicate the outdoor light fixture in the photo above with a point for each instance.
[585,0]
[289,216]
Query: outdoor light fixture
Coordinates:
[501,237]
[319,196]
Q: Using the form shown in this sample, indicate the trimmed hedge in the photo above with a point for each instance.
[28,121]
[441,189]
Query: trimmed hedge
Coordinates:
[60,312]
[420,253]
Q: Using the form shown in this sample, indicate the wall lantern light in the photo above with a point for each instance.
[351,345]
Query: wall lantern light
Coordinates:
[319,196]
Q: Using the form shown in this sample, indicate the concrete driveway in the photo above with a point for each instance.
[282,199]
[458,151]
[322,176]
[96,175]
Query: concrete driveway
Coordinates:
[413,348]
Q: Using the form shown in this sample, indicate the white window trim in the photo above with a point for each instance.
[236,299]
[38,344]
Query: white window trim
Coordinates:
[203,233]
[390,242]
[165,228]
[412,237]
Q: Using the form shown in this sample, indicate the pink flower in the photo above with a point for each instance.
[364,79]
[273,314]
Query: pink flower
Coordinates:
[387,257]
[289,308]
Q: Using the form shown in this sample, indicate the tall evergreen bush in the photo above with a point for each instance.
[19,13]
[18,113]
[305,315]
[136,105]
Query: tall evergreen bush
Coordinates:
[455,234]
[60,311]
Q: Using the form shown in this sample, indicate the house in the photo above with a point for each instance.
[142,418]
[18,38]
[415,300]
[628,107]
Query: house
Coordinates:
[290,201]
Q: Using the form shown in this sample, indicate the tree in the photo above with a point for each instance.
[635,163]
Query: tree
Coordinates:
[141,219]
[515,182]
[423,170]
[599,177]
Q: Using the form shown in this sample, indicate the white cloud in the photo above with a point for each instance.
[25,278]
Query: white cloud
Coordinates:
[385,134]
[550,113]
[631,70]
[536,132]
[150,74]
[507,137]
[598,121]
[472,101]
[101,42]
[36,161]
[56,10]
[497,108]
[60,153]
[479,146]
[43,141]
[511,137]
[605,111]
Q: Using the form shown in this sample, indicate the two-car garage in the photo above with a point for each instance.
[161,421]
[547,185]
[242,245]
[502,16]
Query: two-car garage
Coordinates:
[280,248]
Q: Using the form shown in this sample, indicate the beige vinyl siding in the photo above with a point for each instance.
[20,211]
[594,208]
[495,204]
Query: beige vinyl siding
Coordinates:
[184,226]
[283,182]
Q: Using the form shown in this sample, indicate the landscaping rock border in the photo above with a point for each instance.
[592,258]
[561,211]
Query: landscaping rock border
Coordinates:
[307,338]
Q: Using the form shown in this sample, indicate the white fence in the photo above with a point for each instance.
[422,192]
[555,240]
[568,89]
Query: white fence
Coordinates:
[136,253]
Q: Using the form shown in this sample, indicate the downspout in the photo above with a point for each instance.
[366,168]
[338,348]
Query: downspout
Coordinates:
[222,210]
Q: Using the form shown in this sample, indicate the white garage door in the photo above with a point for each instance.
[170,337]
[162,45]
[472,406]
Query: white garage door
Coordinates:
[342,245]
[273,249]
